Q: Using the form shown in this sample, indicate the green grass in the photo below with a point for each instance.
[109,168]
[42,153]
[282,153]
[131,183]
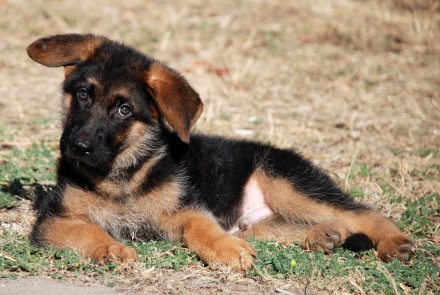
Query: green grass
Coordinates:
[23,168]
[361,170]
[29,166]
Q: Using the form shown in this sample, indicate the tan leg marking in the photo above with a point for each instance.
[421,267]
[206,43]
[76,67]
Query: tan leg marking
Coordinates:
[277,229]
[389,241]
[208,240]
[86,238]
[287,202]
[323,227]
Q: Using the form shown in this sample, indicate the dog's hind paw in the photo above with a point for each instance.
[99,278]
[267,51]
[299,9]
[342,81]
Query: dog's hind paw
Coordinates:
[395,246]
[325,237]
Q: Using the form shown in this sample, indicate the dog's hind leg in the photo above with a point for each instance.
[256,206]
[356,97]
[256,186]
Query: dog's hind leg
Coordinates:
[321,225]
[324,236]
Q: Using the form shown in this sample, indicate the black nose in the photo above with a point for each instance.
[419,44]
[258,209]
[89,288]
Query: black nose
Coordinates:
[82,147]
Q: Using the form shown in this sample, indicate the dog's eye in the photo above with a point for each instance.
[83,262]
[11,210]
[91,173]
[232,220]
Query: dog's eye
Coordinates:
[82,94]
[124,110]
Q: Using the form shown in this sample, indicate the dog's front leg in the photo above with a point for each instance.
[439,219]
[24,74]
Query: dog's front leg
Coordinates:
[82,236]
[208,240]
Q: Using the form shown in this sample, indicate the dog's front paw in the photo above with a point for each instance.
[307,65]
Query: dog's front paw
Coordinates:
[231,251]
[112,252]
[395,246]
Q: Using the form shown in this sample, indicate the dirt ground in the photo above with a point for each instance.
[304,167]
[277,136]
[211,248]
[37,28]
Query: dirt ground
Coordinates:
[40,285]
[344,82]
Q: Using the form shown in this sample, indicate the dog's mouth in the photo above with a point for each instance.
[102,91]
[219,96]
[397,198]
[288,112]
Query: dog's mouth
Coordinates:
[80,161]
[87,160]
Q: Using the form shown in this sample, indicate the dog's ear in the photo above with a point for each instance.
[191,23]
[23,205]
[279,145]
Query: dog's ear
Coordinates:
[64,50]
[176,100]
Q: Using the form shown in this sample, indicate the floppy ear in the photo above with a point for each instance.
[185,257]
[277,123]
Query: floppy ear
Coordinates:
[64,50]
[176,100]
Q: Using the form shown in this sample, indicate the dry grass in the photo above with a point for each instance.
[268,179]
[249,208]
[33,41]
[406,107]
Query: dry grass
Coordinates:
[345,82]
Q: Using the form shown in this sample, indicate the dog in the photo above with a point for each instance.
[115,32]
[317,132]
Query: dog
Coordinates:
[130,170]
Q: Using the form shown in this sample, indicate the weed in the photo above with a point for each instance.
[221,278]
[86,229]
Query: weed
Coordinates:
[24,168]
[164,254]
[418,216]
[426,152]
[29,166]
[357,192]
[361,170]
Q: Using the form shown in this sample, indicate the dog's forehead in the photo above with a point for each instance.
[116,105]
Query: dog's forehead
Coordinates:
[116,57]
[116,69]
[102,84]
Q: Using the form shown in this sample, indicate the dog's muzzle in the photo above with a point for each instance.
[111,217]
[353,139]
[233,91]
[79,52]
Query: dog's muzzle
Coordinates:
[80,148]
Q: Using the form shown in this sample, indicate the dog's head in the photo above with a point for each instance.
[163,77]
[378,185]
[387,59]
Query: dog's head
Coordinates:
[115,99]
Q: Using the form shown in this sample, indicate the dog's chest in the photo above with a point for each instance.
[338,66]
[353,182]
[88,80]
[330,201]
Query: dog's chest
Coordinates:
[133,217]
[128,220]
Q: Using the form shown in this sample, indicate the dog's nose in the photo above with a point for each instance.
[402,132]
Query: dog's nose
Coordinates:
[82,147]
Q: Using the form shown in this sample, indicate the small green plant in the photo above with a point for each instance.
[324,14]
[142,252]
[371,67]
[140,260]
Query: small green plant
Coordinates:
[357,192]
[164,254]
[7,200]
[419,214]
[361,170]
[35,164]
[24,168]
[423,153]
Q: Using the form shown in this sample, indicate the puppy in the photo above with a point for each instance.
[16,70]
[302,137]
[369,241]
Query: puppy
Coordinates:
[130,170]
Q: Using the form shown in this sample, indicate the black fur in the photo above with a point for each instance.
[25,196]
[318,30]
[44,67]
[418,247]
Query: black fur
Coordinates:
[358,242]
[47,203]
[230,163]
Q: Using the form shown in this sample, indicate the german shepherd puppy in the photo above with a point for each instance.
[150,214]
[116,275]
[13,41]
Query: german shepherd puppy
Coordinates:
[130,170]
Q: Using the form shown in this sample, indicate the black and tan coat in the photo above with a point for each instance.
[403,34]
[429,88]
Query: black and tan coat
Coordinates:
[130,170]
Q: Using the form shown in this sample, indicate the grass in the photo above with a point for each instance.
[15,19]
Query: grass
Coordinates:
[22,170]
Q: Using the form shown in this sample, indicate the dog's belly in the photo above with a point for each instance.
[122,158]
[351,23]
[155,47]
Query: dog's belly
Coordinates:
[253,208]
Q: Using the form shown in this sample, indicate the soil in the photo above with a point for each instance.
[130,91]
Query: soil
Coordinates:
[47,286]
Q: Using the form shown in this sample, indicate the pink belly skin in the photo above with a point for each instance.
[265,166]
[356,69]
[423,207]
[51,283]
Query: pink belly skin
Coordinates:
[253,208]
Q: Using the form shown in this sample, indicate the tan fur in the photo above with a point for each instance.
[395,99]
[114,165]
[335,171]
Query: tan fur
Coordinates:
[51,52]
[275,228]
[67,101]
[68,70]
[316,226]
[139,139]
[86,238]
[176,100]
[87,214]
[115,188]
[66,105]
[287,202]
[205,237]
[135,213]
